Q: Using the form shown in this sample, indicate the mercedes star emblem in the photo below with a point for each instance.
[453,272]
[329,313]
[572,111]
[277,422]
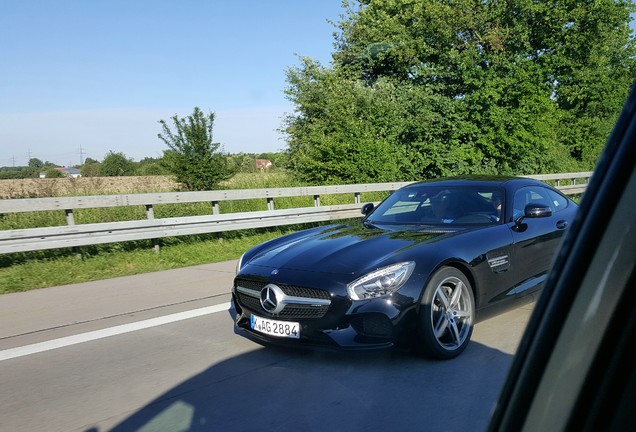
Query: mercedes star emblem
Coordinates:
[271,299]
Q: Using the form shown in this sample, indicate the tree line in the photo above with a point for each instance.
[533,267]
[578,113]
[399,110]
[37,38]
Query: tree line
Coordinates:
[118,164]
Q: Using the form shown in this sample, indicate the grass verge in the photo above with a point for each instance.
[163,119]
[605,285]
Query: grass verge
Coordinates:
[24,272]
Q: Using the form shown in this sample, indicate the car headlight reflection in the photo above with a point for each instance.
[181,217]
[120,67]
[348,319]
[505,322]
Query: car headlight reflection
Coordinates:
[381,282]
[239,264]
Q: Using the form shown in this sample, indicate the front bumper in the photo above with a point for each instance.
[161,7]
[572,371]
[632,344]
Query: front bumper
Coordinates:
[343,324]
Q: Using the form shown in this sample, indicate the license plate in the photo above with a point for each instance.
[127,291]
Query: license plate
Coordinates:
[286,329]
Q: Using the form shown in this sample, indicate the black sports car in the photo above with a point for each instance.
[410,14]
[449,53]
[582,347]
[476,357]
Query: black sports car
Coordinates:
[419,270]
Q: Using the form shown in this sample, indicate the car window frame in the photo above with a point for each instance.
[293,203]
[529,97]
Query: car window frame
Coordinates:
[598,405]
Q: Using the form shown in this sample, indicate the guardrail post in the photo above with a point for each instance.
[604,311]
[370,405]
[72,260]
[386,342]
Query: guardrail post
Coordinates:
[316,200]
[70,220]
[356,198]
[215,208]
[270,203]
[150,214]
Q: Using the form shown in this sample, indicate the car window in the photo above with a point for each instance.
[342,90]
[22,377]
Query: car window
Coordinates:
[558,201]
[434,205]
[405,203]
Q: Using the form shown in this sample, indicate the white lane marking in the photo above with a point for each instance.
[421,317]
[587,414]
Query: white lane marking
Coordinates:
[107,332]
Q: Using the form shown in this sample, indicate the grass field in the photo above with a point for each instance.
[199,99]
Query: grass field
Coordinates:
[40,188]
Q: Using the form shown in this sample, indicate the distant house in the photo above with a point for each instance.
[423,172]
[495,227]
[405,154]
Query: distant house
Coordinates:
[70,172]
[263,164]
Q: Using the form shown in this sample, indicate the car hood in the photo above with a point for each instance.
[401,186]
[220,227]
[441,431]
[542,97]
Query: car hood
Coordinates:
[344,249]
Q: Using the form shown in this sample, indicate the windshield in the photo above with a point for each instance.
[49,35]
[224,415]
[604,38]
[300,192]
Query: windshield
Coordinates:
[435,205]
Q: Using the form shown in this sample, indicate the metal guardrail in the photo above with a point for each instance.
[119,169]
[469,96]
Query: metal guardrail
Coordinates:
[74,235]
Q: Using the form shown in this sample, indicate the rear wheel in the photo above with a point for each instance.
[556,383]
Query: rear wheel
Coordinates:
[446,315]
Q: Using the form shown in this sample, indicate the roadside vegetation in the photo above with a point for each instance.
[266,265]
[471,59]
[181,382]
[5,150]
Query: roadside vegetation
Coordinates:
[417,89]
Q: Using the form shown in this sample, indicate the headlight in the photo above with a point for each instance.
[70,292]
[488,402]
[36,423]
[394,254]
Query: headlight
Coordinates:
[381,282]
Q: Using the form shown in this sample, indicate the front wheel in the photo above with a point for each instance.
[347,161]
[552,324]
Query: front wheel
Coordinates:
[446,315]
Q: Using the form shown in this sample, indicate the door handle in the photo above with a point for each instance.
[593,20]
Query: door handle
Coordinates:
[562,224]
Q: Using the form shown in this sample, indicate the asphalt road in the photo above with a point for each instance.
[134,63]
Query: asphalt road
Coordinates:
[158,352]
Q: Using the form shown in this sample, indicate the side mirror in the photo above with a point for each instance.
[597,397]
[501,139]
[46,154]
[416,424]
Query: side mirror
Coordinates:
[367,208]
[534,211]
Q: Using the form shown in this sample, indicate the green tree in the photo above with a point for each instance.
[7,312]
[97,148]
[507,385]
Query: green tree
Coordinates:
[19,172]
[423,88]
[116,164]
[351,131]
[242,162]
[53,173]
[36,164]
[192,157]
[151,167]
[91,168]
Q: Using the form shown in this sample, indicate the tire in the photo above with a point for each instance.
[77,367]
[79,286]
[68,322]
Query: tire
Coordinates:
[447,314]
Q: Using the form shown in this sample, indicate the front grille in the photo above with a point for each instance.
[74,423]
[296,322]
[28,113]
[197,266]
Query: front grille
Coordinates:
[291,311]
[297,291]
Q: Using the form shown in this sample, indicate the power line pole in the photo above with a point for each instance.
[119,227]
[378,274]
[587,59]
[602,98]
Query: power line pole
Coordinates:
[81,155]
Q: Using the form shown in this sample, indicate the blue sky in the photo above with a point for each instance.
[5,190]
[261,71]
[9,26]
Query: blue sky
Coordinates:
[100,74]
